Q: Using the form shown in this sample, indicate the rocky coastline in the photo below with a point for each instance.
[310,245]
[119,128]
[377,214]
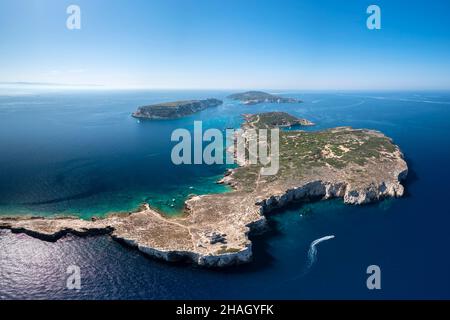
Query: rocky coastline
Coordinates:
[175,109]
[360,166]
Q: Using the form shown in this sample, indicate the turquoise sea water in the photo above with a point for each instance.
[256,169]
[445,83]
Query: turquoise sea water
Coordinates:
[82,153]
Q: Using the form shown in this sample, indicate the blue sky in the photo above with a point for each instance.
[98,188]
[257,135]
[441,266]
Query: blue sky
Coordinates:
[229,44]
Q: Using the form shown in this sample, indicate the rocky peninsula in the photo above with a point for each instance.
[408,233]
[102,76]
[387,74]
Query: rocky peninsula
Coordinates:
[358,165]
[255,97]
[175,109]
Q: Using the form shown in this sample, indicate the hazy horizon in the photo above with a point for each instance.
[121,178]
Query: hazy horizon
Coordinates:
[6,90]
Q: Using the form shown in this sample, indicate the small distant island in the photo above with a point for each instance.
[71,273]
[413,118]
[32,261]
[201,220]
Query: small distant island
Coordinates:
[269,120]
[175,109]
[255,97]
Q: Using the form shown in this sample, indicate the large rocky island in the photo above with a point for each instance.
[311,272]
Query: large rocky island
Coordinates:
[255,97]
[175,109]
[358,165]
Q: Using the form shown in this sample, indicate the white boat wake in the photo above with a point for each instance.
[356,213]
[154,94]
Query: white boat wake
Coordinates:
[312,257]
[312,252]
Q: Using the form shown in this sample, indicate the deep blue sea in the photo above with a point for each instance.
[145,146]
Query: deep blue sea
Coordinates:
[81,153]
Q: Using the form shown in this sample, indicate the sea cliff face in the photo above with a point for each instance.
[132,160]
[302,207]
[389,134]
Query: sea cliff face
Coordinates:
[360,166]
[173,110]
